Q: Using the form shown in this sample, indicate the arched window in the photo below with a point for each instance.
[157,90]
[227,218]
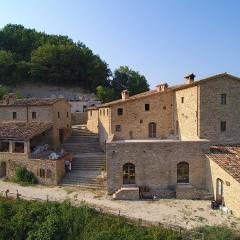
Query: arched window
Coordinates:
[152,129]
[128,173]
[183,172]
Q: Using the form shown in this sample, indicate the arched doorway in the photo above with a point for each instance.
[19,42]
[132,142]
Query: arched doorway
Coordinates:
[128,173]
[152,129]
[183,172]
[3,169]
[219,191]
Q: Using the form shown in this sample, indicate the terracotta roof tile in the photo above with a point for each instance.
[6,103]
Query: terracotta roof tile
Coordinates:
[173,88]
[22,130]
[228,158]
[33,102]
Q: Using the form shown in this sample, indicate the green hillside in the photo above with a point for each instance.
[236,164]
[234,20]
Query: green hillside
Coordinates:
[27,55]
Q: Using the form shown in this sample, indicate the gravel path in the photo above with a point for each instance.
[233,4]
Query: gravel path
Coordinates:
[185,213]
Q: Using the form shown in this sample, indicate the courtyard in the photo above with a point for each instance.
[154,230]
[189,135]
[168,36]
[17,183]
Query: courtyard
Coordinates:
[185,213]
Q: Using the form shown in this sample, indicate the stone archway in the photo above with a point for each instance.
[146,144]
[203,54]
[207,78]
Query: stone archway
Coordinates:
[3,169]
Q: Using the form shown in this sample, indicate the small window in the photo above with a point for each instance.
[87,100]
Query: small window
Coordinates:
[103,112]
[223,99]
[147,107]
[84,108]
[34,115]
[107,112]
[49,173]
[223,126]
[4,146]
[42,172]
[120,111]
[182,99]
[58,114]
[164,107]
[18,147]
[90,113]
[118,128]
[141,121]
[100,112]
[67,114]
[14,115]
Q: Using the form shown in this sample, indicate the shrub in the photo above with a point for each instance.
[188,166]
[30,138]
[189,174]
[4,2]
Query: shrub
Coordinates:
[22,175]
[218,233]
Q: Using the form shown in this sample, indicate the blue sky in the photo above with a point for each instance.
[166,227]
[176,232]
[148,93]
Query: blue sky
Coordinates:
[163,40]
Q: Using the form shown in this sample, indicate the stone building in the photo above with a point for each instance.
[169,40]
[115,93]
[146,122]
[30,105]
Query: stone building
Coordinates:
[158,142]
[55,111]
[30,130]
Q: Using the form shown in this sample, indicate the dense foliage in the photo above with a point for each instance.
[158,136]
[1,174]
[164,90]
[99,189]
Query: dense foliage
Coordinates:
[33,220]
[22,175]
[54,221]
[30,56]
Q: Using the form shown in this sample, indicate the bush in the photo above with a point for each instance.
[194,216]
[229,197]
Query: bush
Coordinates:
[22,175]
[218,233]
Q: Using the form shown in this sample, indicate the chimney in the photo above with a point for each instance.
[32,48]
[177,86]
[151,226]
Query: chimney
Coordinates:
[189,78]
[12,98]
[5,99]
[125,95]
[162,87]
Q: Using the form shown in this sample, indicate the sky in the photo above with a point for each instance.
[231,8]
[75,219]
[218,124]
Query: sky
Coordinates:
[163,40]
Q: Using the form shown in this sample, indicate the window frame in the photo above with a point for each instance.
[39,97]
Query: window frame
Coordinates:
[118,128]
[223,126]
[223,99]
[34,115]
[119,111]
[147,107]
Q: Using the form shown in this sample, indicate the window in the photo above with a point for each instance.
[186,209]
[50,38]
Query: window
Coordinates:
[182,99]
[118,128]
[223,126]
[34,115]
[183,172]
[4,146]
[67,114]
[223,99]
[128,173]
[147,107]
[90,113]
[49,173]
[177,127]
[14,115]
[107,112]
[18,147]
[42,172]
[58,114]
[100,112]
[141,121]
[84,108]
[103,112]
[119,111]
[152,128]
[219,191]
[164,107]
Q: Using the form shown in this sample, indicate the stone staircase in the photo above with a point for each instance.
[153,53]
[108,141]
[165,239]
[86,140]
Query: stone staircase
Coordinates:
[88,161]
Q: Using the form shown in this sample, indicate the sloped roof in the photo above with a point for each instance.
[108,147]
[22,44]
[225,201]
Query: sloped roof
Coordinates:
[32,102]
[169,89]
[22,130]
[228,158]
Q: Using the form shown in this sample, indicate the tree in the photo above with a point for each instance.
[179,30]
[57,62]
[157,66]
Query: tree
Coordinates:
[126,78]
[3,91]
[105,94]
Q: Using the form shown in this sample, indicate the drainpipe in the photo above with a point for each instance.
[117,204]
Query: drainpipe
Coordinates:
[197,112]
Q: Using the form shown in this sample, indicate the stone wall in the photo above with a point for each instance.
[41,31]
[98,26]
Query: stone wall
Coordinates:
[54,169]
[186,106]
[104,125]
[79,118]
[231,187]
[92,121]
[212,112]
[47,113]
[156,162]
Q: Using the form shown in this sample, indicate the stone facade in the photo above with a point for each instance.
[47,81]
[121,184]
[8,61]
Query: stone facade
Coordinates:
[231,187]
[156,163]
[57,113]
